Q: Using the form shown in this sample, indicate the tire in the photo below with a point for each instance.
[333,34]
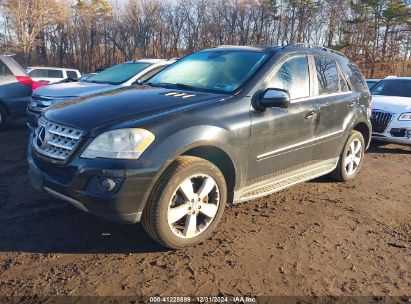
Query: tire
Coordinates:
[195,176]
[3,117]
[342,172]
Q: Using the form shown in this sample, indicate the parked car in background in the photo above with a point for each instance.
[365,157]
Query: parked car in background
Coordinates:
[223,125]
[121,75]
[52,75]
[15,89]
[372,82]
[391,110]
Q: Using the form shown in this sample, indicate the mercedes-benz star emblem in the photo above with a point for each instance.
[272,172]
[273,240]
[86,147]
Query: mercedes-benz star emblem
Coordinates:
[41,137]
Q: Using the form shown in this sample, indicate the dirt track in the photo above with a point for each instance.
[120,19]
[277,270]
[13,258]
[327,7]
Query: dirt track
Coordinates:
[321,238]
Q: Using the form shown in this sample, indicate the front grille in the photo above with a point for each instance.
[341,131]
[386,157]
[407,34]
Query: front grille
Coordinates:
[54,140]
[380,120]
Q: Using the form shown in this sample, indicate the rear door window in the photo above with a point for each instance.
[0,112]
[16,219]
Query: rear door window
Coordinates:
[4,69]
[293,76]
[54,74]
[327,75]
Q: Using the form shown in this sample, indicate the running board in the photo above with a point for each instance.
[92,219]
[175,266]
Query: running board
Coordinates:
[282,182]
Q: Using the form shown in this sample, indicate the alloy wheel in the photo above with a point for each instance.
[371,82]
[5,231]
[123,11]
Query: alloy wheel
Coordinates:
[353,157]
[193,206]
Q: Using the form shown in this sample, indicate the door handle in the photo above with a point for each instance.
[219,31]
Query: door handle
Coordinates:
[311,115]
[353,103]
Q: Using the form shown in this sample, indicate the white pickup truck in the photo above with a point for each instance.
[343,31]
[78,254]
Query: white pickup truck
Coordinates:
[52,75]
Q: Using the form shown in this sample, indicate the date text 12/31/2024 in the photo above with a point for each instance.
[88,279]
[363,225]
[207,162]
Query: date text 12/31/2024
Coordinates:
[205,299]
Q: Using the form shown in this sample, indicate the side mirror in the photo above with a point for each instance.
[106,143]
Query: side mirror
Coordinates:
[275,98]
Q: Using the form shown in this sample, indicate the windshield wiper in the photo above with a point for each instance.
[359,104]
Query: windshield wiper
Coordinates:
[102,82]
[180,86]
[151,84]
[187,87]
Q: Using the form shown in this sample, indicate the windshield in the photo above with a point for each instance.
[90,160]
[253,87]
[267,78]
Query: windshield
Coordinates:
[393,87]
[221,71]
[118,74]
[371,83]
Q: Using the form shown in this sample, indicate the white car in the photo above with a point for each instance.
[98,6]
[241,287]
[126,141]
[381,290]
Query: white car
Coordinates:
[52,75]
[118,76]
[391,110]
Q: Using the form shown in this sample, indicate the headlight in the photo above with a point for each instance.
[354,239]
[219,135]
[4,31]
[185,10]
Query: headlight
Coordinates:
[120,144]
[405,116]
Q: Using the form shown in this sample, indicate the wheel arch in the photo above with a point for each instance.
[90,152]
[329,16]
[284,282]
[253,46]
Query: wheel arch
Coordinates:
[364,129]
[2,104]
[220,159]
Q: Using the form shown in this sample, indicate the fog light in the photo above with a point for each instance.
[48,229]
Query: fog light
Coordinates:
[107,184]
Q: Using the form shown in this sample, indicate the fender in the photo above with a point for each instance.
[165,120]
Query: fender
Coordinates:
[175,145]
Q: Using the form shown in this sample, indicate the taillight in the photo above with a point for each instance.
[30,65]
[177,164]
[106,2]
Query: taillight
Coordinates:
[26,80]
[369,110]
[37,84]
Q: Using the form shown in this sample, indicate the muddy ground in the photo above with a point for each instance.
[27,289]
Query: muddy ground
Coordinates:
[317,238]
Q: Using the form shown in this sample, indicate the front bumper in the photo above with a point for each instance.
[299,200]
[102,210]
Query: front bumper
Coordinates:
[79,183]
[396,132]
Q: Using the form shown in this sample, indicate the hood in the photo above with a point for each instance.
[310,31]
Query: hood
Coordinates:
[391,103]
[72,89]
[116,106]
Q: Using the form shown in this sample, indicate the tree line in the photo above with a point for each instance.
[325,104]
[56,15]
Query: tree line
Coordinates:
[88,34]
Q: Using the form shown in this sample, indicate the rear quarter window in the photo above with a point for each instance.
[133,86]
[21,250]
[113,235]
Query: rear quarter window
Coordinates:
[4,69]
[358,78]
[72,74]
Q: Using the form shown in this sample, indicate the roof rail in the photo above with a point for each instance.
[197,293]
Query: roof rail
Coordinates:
[312,46]
[7,54]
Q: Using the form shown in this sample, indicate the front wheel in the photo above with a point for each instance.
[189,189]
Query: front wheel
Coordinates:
[186,204]
[351,158]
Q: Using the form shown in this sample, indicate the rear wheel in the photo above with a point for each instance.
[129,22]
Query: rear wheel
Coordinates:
[3,117]
[351,158]
[187,203]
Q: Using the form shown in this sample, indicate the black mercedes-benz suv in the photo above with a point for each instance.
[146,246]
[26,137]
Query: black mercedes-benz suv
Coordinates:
[220,126]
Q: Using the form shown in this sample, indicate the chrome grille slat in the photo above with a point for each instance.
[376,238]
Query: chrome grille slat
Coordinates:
[65,133]
[55,140]
[380,120]
[58,145]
